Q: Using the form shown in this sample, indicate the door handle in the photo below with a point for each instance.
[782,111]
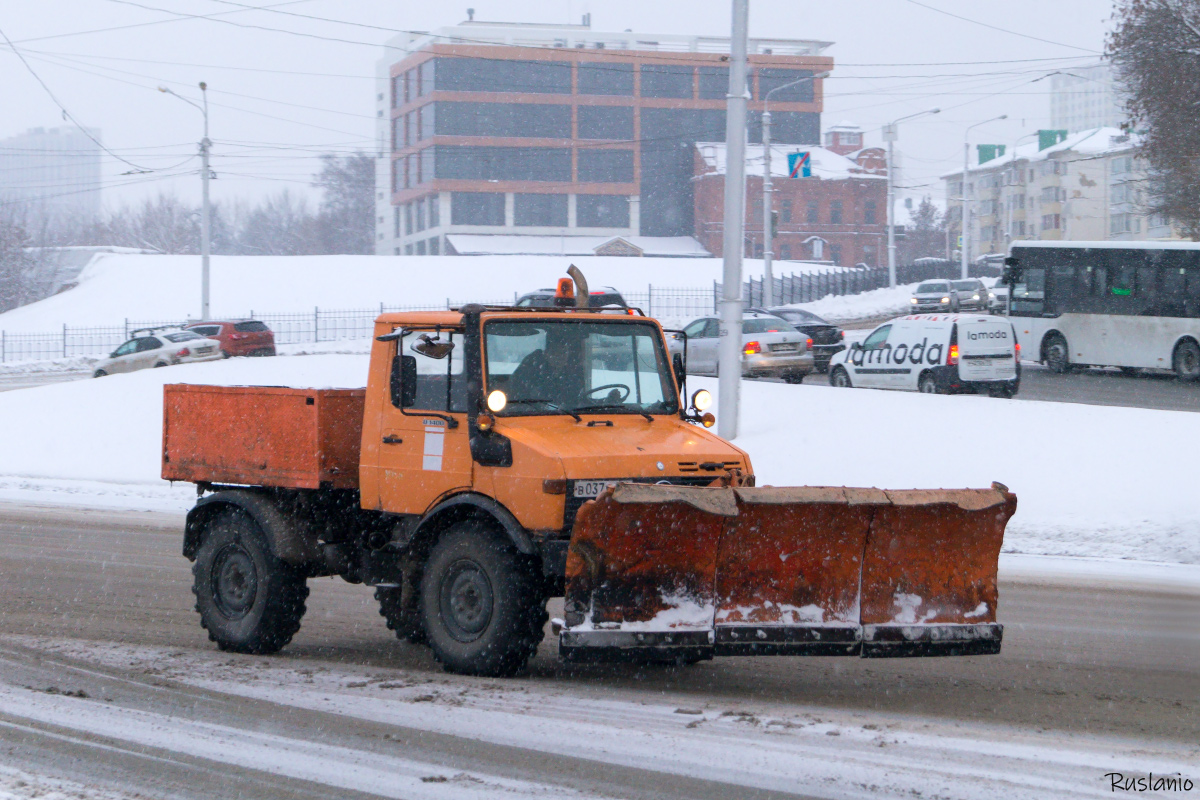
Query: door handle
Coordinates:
[390,439]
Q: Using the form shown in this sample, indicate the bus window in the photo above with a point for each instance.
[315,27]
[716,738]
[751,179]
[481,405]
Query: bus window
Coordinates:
[1099,281]
[1029,294]
[1145,281]
[1192,294]
[1122,281]
[1171,291]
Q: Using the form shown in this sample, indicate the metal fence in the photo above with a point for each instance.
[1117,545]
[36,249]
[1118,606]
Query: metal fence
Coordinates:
[674,303]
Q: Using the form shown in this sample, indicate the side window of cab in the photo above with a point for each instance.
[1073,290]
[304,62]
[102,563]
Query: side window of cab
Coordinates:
[877,338]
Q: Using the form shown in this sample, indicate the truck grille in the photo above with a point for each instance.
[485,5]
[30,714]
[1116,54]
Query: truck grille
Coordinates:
[575,503]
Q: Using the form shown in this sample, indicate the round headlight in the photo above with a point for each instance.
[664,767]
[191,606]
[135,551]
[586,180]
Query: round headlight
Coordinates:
[913,300]
[945,299]
[974,297]
[701,400]
[497,400]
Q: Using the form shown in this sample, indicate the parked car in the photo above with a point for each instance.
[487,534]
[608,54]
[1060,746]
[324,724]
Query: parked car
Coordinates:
[972,294]
[154,348]
[827,338]
[546,298]
[239,337]
[934,296]
[771,347]
[947,354]
[998,298]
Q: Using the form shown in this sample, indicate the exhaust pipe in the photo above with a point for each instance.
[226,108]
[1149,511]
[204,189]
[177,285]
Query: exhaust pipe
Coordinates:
[581,286]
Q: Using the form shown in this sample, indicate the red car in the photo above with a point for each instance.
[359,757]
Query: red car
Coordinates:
[243,337]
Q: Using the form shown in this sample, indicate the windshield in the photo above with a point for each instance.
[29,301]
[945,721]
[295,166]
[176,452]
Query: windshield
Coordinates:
[933,288]
[967,286]
[767,325]
[561,366]
[182,336]
[798,316]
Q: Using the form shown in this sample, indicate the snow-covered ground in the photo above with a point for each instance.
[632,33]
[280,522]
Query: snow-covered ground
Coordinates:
[866,305]
[1091,481]
[113,288]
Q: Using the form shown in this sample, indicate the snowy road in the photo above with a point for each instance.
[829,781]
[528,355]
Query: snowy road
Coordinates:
[95,603]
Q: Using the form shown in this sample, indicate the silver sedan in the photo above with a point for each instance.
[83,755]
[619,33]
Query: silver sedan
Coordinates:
[155,349]
[771,347]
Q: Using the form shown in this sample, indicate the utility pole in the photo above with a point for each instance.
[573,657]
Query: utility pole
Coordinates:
[205,209]
[890,134]
[729,362]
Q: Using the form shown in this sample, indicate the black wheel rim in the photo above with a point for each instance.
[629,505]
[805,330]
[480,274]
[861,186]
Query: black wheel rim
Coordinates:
[466,600]
[235,581]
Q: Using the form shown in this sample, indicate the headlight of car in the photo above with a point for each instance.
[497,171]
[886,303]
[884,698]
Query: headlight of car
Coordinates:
[913,301]
[991,295]
[974,297]
[945,299]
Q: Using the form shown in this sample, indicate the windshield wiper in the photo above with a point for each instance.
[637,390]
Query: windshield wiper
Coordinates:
[553,407]
[613,407]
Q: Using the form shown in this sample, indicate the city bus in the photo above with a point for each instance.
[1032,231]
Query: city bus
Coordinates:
[1133,305]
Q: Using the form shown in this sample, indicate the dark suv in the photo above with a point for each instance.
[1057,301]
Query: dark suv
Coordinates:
[242,337]
[826,337]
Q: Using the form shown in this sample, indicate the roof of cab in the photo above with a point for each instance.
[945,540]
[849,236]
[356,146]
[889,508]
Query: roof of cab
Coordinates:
[455,317]
[955,317]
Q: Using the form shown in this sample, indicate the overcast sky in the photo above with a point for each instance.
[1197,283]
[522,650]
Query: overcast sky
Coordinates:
[278,98]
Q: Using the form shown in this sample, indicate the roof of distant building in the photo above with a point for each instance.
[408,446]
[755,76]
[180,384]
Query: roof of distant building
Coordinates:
[472,244]
[1094,142]
[826,164]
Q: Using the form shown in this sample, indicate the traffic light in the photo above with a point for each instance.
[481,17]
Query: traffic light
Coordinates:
[1013,273]
[774,224]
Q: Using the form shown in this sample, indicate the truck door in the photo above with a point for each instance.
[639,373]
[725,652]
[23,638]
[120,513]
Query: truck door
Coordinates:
[423,456]
[866,365]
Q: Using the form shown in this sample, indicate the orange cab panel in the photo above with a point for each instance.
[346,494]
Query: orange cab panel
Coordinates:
[262,436]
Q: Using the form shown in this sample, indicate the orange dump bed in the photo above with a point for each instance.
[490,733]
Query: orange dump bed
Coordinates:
[262,435]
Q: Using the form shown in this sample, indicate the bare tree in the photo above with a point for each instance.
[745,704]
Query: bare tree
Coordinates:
[164,223]
[926,236]
[347,215]
[16,264]
[280,226]
[1155,49]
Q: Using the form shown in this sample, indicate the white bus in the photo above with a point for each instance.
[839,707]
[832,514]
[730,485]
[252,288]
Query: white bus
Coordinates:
[1134,305]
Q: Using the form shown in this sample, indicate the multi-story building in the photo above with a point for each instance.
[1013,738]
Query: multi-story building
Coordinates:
[836,214]
[56,170]
[553,130]
[1085,186]
[1085,98]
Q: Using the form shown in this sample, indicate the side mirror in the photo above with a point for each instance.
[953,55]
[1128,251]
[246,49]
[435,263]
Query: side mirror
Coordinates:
[432,347]
[404,381]
[856,345]
[680,371]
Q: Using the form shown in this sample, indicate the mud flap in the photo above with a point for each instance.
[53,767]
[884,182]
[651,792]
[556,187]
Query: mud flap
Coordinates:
[680,572]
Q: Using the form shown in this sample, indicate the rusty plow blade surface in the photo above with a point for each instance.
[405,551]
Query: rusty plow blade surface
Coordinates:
[669,572]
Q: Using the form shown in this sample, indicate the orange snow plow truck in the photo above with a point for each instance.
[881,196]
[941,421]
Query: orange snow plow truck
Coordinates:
[500,456]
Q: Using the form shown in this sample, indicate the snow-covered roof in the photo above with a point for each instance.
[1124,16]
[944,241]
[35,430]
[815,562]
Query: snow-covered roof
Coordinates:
[1096,141]
[474,244]
[826,164]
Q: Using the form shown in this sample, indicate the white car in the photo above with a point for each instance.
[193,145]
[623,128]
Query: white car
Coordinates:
[771,347]
[998,298]
[159,349]
[935,354]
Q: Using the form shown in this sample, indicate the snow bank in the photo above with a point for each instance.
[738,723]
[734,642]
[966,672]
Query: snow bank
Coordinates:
[114,288]
[850,307]
[1091,480]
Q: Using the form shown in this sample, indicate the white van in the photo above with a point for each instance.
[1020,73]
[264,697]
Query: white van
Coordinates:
[934,353]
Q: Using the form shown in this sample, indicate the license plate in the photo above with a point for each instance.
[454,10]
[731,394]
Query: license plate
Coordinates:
[784,348]
[592,489]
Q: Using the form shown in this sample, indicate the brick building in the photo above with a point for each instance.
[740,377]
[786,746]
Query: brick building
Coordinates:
[553,130]
[839,214]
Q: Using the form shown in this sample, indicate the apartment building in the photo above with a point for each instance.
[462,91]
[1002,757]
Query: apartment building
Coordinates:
[1085,98]
[1085,186]
[559,130]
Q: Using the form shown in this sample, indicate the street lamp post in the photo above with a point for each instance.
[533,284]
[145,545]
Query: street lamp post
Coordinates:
[966,215]
[205,210]
[768,188]
[890,136]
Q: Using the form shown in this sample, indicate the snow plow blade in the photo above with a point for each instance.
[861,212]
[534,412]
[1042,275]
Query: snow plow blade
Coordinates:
[680,573]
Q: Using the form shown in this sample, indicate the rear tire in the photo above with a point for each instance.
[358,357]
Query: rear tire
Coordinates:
[794,377]
[99,373]
[821,366]
[1057,354]
[1004,392]
[402,617]
[927,385]
[160,364]
[249,601]
[840,378]
[482,602]
[1186,361]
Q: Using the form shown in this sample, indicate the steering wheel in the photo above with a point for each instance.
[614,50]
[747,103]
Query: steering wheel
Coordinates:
[614,386]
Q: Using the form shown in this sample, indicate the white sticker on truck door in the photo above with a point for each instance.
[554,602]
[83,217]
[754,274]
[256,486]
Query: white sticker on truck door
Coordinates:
[435,441]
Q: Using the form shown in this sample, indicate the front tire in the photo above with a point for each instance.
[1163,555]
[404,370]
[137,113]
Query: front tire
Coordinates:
[840,378]
[794,377]
[99,373]
[1186,361]
[482,603]
[249,601]
[1057,354]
